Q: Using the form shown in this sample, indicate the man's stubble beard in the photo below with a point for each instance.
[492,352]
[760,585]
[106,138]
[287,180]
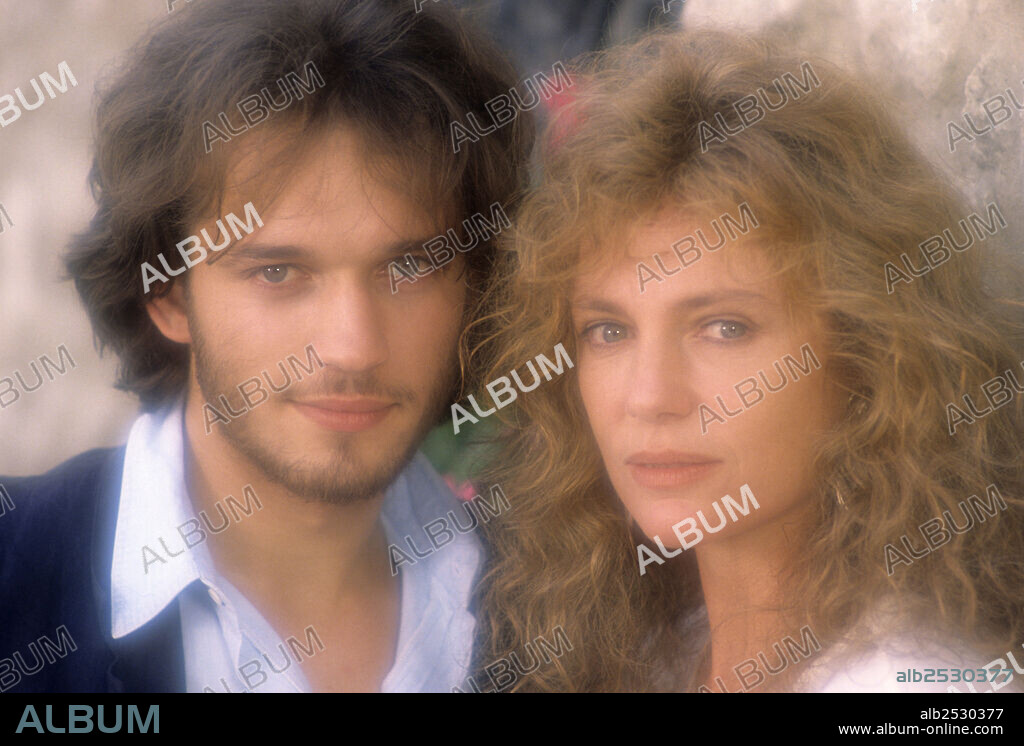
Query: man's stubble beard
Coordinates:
[339,482]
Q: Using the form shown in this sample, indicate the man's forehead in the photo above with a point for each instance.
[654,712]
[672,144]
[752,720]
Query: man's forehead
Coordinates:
[327,177]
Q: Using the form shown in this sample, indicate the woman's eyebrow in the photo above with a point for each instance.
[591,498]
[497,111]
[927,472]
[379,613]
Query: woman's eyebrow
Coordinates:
[709,299]
[592,303]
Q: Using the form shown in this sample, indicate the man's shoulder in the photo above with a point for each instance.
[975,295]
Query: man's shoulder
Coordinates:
[49,521]
[47,571]
[75,470]
[59,500]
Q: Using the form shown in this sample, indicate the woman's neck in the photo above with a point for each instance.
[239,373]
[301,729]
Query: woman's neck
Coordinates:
[749,611]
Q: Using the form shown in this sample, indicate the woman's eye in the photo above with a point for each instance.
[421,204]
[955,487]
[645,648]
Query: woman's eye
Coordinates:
[275,274]
[604,333]
[722,329]
[415,264]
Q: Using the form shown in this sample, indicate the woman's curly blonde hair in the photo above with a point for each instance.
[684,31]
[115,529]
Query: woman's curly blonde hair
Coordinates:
[839,191]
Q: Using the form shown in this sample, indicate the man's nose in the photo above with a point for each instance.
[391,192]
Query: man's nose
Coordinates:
[349,327]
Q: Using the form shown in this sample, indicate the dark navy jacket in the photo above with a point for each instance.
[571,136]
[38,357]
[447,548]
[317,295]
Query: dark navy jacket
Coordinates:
[56,549]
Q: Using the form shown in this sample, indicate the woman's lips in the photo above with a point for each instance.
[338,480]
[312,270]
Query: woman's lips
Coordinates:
[668,469]
[345,415]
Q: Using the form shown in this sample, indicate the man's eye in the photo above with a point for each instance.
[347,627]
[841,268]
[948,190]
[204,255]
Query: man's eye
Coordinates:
[275,274]
[604,333]
[723,329]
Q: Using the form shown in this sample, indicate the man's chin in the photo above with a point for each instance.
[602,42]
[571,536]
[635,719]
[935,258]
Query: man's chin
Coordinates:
[344,472]
[326,487]
[339,482]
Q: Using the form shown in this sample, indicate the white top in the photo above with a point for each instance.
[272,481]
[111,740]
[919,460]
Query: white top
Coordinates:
[901,649]
[897,649]
[228,644]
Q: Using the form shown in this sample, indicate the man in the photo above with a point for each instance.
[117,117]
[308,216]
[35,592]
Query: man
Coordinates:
[267,175]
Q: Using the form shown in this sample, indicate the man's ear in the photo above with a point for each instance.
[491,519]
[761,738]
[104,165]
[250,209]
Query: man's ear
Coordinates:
[168,313]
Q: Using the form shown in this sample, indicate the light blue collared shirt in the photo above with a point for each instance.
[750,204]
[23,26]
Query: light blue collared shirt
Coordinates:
[228,644]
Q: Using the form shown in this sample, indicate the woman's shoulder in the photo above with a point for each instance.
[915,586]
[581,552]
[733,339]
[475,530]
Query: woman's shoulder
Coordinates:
[891,668]
[892,653]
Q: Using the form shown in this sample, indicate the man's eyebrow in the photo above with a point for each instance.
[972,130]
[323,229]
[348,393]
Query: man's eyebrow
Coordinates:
[257,251]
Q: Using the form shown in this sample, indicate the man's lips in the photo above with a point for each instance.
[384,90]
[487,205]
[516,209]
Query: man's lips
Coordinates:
[345,415]
[668,469]
[353,405]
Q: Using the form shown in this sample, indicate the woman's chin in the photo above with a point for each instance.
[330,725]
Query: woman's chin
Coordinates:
[658,518]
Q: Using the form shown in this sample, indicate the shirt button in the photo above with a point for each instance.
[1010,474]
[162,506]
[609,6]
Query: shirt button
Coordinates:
[217,598]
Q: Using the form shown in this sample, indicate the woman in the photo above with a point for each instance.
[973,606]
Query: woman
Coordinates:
[752,478]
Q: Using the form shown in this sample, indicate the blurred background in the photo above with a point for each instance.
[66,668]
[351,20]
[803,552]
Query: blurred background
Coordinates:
[939,59]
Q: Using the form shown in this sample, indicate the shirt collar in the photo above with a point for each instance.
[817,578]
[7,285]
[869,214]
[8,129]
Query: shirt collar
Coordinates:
[152,563]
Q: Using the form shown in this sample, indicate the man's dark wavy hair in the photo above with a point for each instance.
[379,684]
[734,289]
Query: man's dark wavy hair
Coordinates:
[399,75]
